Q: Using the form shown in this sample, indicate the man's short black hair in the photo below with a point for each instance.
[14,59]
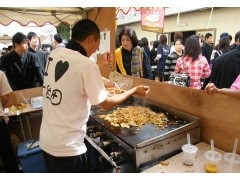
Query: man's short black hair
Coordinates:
[31,35]
[84,28]
[58,37]
[19,38]
[208,35]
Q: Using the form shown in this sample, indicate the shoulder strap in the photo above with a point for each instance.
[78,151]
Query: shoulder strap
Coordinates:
[140,54]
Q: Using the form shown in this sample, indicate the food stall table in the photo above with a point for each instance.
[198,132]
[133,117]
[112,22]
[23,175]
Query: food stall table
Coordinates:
[175,163]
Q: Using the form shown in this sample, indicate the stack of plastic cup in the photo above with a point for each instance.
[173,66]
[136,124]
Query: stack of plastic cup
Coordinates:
[232,163]
[232,160]
[189,152]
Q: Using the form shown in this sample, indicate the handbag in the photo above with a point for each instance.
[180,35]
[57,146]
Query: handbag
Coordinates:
[180,79]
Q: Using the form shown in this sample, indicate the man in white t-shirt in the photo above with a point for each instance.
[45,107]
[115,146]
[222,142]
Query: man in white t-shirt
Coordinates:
[73,83]
[6,152]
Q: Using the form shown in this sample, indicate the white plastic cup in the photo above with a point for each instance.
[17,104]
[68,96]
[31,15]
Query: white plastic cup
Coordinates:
[213,161]
[189,154]
[232,163]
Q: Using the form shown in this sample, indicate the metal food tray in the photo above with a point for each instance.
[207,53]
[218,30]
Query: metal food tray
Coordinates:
[179,122]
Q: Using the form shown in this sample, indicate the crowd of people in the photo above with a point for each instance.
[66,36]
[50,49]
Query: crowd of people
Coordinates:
[198,57]
[22,66]
[213,68]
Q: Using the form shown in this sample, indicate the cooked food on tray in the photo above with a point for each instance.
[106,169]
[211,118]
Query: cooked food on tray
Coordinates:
[14,110]
[136,116]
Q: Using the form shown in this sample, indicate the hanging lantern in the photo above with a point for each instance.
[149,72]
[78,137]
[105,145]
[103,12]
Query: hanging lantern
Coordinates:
[152,19]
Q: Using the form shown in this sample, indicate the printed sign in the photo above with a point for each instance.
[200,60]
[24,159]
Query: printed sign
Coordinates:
[152,19]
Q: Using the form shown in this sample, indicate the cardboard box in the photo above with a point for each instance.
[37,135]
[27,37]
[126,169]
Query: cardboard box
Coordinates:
[31,158]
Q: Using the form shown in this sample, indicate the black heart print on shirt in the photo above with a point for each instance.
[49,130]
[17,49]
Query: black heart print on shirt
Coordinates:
[60,69]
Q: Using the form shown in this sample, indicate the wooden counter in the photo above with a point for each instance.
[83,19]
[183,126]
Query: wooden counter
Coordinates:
[175,163]
[219,114]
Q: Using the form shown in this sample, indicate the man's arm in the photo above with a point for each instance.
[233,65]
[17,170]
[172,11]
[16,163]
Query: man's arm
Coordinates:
[230,92]
[117,99]
[211,88]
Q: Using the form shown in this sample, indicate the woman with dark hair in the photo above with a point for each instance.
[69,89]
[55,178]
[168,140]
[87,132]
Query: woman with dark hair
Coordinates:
[223,46]
[131,59]
[177,35]
[172,59]
[162,54]
[193,63]
[153,53]
[145,45]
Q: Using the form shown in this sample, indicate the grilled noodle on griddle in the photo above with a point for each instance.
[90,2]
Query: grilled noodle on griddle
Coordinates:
[136,116]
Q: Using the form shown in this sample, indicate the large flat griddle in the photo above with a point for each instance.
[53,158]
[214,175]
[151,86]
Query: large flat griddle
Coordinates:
[179,122]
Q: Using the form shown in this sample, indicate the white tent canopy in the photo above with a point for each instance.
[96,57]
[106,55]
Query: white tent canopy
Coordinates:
[42,20]
[41,15]
[13,27]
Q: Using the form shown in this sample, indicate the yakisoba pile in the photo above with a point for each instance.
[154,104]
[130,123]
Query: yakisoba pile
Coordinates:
[135,116]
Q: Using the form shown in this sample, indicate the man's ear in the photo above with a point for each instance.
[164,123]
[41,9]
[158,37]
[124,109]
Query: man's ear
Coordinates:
[91,38]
